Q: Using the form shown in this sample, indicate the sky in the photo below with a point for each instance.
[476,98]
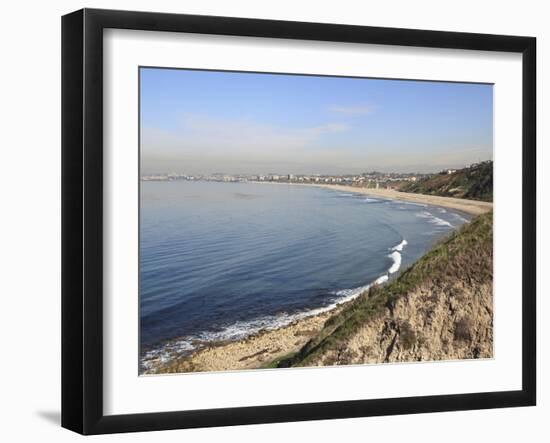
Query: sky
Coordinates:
[204,122]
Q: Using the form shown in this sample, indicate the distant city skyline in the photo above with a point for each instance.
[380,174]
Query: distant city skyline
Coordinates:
[203,122]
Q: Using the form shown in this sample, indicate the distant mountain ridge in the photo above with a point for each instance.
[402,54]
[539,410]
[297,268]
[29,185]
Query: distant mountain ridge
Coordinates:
[474,183]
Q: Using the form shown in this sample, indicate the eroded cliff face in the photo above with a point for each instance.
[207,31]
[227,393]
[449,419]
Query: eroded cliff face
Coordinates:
[430,323]
[439,309]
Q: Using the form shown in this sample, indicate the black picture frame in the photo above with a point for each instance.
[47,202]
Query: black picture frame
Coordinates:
[82,220]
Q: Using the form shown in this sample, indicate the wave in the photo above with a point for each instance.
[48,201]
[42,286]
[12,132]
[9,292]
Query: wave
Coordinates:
[434,219]
[455,215]
[371,200]
[424,205]
[396,257]
[460,218]
[166,352]
[440,222]
[400,246]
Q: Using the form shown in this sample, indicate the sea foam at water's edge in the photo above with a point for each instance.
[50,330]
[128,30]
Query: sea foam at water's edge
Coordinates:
[434,219]
[400,246]
[396,257]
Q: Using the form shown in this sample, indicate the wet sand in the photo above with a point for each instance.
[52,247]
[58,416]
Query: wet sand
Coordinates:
[472,207]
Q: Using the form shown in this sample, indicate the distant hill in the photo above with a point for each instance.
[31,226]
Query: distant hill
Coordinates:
[440,308]
[474,183]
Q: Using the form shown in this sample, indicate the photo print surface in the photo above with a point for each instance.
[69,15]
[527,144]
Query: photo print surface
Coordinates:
[299,220]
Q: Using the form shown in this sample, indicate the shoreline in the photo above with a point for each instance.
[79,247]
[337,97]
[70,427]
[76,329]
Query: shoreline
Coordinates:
[301,321]
[262,348]
[470,207]
[256,351]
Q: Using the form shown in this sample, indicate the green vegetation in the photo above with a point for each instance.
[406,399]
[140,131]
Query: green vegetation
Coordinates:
[465,256]
[279,362]
[474,183]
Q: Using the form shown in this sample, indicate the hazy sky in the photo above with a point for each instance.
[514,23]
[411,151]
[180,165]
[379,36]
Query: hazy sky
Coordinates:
[201,122]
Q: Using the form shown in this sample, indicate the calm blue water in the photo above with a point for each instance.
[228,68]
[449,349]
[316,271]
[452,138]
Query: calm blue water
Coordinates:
[222,260]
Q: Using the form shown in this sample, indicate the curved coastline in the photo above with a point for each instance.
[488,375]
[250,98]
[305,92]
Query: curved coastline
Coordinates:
[268,341]
[470,207]
[459,205]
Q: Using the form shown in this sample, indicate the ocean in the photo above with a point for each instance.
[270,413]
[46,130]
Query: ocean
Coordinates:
[220,261]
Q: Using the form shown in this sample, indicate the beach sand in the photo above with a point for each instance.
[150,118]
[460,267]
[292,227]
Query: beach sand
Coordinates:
[265,347]
[472,207]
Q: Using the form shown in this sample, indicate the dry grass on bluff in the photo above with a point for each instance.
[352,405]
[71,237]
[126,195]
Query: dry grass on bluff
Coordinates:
[473,183]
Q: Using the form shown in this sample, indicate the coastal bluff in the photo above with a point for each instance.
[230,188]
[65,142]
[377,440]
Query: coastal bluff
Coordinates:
[441,308]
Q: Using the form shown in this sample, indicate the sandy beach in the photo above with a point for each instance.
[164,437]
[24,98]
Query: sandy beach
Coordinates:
[472,207]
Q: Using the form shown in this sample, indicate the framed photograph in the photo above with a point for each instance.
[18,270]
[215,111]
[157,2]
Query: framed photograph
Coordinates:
[269,221]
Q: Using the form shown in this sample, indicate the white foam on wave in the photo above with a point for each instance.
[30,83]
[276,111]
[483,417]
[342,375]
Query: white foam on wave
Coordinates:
[382,279]
[460,218]
[166,352]
[396,257]
[434,219]
[455,215]
[413,204]
[345,295]
[400,246]
[440,222]
[371,200]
